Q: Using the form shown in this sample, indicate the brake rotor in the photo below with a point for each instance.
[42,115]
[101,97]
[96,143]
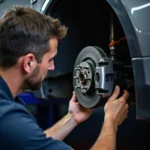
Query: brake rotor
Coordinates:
[86,82]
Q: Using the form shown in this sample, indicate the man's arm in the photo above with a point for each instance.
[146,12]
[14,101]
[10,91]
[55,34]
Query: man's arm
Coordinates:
[115,112]
[107,138]
[62,128]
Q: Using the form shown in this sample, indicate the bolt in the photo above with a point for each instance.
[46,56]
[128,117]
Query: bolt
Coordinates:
[77,87]
[84,87]
[86,67]
[79,66]
[78,69]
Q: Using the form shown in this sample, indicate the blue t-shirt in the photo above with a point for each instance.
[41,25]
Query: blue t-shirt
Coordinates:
[19,129]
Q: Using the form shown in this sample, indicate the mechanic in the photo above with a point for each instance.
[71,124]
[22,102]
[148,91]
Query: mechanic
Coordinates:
[28,44]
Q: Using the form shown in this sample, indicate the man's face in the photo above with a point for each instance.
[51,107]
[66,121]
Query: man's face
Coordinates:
[34,81]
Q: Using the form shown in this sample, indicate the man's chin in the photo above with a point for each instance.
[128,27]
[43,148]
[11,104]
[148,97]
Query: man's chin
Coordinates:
[35,87]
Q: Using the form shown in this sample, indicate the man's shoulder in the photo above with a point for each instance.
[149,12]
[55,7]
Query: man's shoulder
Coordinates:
[9,107]
[18,126]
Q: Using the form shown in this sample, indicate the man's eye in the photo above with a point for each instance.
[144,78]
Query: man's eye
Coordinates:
[50,60]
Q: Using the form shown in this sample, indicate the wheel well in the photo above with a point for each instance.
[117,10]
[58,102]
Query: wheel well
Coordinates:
[88,24]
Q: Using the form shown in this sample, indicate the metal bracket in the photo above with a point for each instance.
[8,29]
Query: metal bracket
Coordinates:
[104,77]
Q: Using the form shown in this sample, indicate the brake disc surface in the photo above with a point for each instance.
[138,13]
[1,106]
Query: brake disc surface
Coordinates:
[84,73]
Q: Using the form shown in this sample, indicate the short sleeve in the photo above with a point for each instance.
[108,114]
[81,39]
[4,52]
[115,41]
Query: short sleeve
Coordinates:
[19,131]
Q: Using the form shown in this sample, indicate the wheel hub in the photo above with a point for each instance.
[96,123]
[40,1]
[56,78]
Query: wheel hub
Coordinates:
[83,76]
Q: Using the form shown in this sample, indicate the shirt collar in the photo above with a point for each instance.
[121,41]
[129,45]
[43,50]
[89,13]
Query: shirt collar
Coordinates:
[5,89]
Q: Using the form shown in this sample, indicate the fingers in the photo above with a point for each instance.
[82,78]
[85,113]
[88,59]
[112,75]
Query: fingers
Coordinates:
[124,113]
[90,110]
[73,98]
[122,120]
[124,116]
[115,94]
[73,93]
[125,96]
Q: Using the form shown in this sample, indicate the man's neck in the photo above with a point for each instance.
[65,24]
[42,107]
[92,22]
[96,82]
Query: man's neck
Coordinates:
[13,80]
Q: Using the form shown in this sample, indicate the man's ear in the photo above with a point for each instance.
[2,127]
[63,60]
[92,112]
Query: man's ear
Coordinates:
[29,63]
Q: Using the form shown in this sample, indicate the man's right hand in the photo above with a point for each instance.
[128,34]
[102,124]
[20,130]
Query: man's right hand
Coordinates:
[116,109]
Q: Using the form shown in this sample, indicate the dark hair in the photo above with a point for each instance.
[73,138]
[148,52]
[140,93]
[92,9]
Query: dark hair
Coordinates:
[24,30]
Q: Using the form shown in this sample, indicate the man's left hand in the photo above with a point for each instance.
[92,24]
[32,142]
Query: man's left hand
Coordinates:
[78,112]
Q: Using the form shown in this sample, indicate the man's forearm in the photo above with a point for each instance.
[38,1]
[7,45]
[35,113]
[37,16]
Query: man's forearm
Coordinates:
[107,138]
[62,128]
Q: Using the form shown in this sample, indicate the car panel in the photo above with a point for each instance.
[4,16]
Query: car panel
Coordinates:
[135,20]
